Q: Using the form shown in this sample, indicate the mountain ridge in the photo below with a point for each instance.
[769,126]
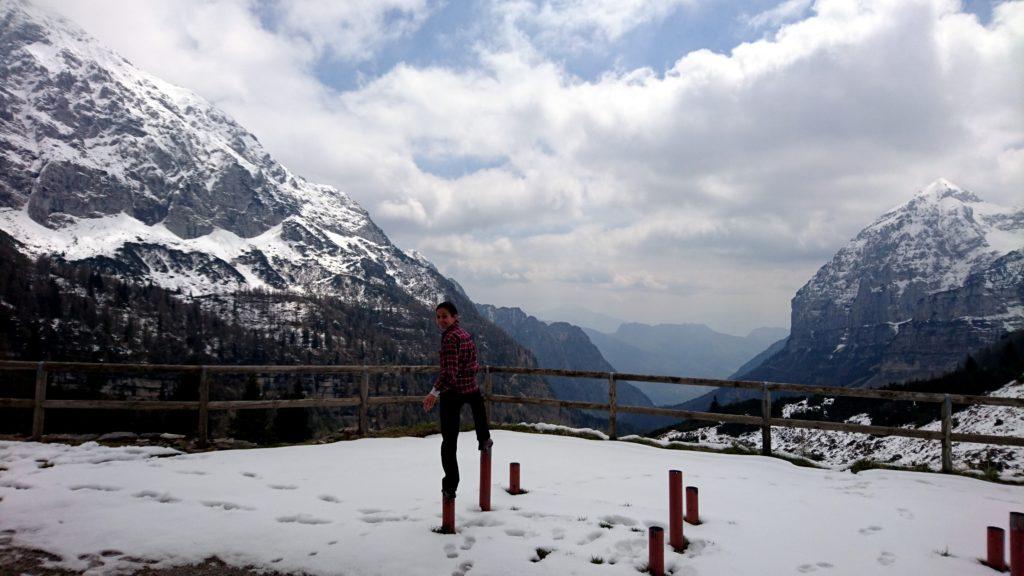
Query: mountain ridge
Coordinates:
[916,290]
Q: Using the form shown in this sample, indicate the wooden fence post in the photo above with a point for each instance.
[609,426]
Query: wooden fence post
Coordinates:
[364,405]
[37,411]
[204,408]
[613,404]
[766,414]
[947,435]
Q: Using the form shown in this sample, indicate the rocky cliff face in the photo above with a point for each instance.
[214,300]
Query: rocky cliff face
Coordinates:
[118,172]
[101,160]
[910,296]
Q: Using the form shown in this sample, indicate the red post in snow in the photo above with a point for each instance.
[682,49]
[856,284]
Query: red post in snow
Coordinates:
[656,550]
[1017,543]
[485,480]
[692,512]
[448,515]
[675,509]
[996,558]
[513,478]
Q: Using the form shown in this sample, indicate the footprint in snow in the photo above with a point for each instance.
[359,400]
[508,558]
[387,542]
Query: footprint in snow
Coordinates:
[378,518]
[463,568]
[590,537]
[518,532]
[225,505]
[905,514]
[302,519]
[558,533]
[15,485]
[614,519]
[164,498]
[97,487]
[329,498]
[805,568]
[250,475]
[869,530]
[886,558]
[449,550]
[283,486]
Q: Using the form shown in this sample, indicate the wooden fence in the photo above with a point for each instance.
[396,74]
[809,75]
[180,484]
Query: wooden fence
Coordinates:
[39,404]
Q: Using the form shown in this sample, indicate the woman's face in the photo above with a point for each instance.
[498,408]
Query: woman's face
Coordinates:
[444,319]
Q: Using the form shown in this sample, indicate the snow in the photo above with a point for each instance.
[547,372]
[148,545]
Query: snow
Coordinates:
[367,507]
[839,450]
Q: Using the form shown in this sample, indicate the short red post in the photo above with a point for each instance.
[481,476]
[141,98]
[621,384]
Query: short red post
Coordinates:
[675,509]
[656,550]
[448,516]
[513,480]
[996,558]
[692,512]
[485,480]
[1017,543]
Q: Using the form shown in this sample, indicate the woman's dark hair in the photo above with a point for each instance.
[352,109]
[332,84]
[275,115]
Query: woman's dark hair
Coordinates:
[449,307]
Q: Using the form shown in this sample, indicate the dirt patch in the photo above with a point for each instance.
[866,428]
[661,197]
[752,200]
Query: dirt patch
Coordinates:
[19,561]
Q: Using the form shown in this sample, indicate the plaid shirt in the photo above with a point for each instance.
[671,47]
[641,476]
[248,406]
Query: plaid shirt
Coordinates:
[458,362]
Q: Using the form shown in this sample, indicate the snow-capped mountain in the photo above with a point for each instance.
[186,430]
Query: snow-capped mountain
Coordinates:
[929,282]
[101,161]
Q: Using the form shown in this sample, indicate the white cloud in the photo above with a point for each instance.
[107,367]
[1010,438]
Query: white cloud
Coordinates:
[780,14]
[709,192]
[352,29]
[578,24]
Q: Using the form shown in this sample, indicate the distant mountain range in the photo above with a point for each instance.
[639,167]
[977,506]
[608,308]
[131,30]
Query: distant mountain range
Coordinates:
[582,317]
[561,345]
[679,350]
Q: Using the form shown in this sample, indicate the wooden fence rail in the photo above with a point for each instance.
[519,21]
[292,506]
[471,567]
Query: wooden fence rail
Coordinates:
[39,403]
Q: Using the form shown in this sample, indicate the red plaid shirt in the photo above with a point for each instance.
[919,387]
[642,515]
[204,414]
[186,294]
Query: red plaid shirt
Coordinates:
[458,362]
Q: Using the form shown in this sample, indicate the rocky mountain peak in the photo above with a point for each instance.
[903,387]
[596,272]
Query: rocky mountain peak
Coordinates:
[927,283]
[941,189]
[100,160]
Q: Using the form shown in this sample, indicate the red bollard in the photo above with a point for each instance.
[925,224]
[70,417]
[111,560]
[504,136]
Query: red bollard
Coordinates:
[675,509]
[692,514]
[513,481]
[656,550]
[485,480]
[996,558]
[448,516]
[1017,543]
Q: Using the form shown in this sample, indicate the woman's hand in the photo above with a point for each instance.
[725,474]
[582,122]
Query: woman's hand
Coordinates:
[428,402]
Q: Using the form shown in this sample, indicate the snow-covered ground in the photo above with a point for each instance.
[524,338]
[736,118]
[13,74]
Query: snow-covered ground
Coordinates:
[841,449]
[367,507]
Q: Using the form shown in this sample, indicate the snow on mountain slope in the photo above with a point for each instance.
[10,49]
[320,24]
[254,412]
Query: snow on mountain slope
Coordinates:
[929,244]
[99,160]
[841,449]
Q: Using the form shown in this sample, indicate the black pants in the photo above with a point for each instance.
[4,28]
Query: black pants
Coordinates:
[451,409]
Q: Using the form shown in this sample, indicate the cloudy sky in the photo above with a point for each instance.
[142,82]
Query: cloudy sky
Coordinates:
[655,160]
